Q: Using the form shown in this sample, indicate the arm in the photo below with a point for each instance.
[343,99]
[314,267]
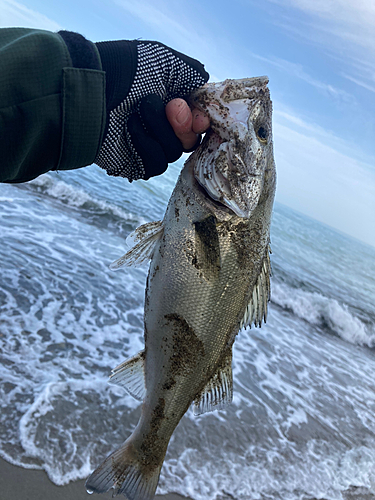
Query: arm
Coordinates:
[56,102]
[52,114]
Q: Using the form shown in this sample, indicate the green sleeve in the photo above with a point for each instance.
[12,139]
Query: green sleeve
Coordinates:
[52,114]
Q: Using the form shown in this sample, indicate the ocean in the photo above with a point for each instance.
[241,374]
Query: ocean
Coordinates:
[302,422]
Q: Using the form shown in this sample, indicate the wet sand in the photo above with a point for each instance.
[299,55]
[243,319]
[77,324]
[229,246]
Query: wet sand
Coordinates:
[17,483]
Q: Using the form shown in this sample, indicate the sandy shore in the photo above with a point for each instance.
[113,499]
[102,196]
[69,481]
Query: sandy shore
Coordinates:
[17,483]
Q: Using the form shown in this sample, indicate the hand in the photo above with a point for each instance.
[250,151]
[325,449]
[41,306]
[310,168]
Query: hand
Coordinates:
[142,78]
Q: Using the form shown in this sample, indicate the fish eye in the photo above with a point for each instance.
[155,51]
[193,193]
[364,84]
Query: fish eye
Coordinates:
[262,134]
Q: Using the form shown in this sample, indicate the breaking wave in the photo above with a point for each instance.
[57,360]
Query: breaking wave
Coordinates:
[76,197]
[322,311]
[301,424]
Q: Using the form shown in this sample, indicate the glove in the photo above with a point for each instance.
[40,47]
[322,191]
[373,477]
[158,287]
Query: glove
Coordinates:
[141,78]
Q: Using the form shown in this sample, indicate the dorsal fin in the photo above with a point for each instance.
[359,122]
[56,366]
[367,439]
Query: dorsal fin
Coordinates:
[144,239]
[130,375]
[257,309]
[219,390]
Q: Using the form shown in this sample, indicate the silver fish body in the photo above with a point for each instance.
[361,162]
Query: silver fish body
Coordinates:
[208,277]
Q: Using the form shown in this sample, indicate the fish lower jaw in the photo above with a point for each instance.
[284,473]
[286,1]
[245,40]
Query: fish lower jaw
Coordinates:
[220,197]
[217,204]
[211,169]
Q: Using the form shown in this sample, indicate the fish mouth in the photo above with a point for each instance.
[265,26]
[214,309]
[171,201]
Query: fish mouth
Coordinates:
[210,177]
[218,189]
[219,204]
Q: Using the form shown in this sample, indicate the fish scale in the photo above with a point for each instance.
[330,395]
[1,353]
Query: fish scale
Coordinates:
[208,277]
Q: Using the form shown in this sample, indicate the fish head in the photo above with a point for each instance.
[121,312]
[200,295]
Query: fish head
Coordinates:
[235,162]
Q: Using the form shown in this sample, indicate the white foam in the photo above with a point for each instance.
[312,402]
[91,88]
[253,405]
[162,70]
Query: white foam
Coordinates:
[299,396]
[280,474]
[69,454]
[317,310]
[74,196]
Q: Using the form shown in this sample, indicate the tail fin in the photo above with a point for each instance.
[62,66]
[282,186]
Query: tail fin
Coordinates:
[122,471]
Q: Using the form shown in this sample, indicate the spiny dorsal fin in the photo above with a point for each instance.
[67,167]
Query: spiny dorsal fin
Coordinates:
[219,390]
[257,309]
[130,375]
[143,241]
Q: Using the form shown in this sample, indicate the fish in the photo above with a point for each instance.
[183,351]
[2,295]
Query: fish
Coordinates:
[209,276]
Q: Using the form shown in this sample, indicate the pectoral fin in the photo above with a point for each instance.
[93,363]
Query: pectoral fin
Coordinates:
[257,309]
[131,376]
[144,239]
[219,390]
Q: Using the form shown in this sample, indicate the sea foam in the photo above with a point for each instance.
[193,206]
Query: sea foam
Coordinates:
[76,197]
[73,442]
[301,424]
[320,310]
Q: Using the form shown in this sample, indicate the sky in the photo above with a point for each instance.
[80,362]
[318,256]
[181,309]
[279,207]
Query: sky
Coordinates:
[318,54]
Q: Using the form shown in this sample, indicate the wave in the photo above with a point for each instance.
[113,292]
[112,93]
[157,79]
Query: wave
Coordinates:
[77,198]
[317,309]
[70,451]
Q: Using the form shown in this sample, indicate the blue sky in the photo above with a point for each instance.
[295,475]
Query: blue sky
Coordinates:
[318,54]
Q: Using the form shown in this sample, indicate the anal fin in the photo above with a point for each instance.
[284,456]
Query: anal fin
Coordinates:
[219,390]
[131,376]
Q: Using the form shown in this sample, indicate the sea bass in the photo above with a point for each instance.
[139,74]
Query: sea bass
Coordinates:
[209,276]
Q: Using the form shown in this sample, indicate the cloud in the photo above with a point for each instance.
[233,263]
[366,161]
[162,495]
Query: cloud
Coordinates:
[317,178]
[342,28]
[15,14]
[361,83]
[170,25]
[298,71]
[358,18]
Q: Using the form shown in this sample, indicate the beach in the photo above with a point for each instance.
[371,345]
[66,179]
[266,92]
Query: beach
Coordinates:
[301,425]
[29,484]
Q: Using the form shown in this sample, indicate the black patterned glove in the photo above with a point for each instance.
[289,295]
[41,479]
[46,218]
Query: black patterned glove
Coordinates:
[141,78]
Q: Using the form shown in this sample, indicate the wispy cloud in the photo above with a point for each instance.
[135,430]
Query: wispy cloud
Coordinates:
[319,177]
[361,83]
[15,14]
[298,71]
[170,24]
[345,19]
[343,28]
[286,116]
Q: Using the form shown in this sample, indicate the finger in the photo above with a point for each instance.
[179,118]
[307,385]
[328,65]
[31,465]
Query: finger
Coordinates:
[195,64]
[150,151]
[201,122]
[152,111]
[188,74]
[181,119]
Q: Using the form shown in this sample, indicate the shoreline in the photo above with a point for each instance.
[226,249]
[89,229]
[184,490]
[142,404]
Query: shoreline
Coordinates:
[18,483]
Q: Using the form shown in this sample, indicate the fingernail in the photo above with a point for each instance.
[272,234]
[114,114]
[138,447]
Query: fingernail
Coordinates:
[183,115]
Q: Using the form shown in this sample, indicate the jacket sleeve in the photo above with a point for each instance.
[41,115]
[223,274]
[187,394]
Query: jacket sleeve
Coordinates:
[52,102]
